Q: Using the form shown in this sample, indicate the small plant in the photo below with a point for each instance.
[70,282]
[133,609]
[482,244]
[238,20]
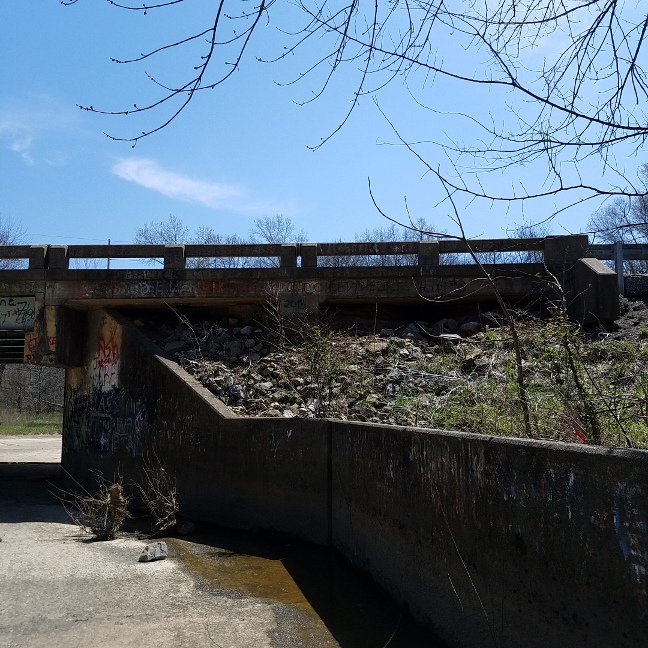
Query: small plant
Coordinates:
[103,514]
[159,496]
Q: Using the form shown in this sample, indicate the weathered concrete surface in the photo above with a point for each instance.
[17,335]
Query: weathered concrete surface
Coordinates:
[220,589]
[31,449]
[58,590]
[127,405]
[595,292]
[493,541]
[502,542]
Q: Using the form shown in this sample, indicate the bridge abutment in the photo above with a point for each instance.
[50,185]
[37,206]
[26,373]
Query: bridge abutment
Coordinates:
[523,543]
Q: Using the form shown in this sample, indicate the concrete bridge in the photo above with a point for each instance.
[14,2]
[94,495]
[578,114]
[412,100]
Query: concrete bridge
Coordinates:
[47,299]
[513,543]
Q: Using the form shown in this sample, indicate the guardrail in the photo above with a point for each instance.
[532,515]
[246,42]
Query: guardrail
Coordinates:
[421,253]
[618,253]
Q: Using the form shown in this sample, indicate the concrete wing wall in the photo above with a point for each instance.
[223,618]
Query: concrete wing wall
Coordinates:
[492,541]
[497,542]
[129,406]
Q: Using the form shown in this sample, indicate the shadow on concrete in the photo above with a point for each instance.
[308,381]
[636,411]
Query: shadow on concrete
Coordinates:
[353,608]
[28,492]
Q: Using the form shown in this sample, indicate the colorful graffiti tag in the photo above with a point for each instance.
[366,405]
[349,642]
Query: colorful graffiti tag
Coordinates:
[104,422]
[104,370]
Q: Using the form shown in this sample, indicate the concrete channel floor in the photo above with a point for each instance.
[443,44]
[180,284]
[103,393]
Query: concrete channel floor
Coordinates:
[219,589]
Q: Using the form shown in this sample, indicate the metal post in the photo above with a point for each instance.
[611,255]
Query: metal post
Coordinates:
[617,253]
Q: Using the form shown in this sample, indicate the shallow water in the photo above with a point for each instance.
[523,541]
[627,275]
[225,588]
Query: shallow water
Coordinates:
[335,604]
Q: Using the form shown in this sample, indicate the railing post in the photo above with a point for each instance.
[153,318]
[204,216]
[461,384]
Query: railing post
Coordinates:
[308,253]
[617,253]
[57,257]
[174,257]
[428,253]
[562,252]
[38,257]
[288,256]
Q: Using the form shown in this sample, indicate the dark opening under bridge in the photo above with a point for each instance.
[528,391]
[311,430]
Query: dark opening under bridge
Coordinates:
[48,297]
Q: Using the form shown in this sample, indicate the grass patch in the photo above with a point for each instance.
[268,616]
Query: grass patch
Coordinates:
[16,424]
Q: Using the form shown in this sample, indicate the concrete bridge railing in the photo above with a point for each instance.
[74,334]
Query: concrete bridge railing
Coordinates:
[423,253]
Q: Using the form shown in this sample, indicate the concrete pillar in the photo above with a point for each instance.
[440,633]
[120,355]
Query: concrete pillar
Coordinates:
[57,257]
[174,257]
[562,252]
[288,256]
[308,253]
[428,253]
[38,257]
[595,293]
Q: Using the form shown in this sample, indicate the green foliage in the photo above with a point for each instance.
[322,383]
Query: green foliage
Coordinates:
[14,424]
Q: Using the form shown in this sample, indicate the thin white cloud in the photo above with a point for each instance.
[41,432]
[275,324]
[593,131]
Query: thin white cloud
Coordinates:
[31,124]
[149,174]
[21,145]
[16,137]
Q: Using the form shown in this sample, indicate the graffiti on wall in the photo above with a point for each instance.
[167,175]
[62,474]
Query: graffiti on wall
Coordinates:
[134,286]
[104,368]
[17,313]
[40,344]
[104,421]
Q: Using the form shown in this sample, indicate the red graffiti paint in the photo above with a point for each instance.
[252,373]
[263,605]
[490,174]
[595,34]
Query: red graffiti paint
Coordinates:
[107,353]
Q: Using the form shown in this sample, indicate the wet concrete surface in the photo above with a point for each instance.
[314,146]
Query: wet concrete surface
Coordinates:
[312,589]
[218,588]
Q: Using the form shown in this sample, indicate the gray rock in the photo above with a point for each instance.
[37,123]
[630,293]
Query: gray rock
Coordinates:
[378,346]
[387,332]
[236,392]
[446,325]
[247,330]
[450,338]
[469,328]
[234,348]
[156,551]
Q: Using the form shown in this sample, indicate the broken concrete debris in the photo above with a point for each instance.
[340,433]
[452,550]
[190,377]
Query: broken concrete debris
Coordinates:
[152,552]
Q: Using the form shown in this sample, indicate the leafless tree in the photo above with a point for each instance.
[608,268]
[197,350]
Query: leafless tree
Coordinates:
[11,233]
[266,229]
[171,231]
[276,229]
[624,219]
[556,83]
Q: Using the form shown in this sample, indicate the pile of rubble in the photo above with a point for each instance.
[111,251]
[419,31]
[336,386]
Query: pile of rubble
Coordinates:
[384,377]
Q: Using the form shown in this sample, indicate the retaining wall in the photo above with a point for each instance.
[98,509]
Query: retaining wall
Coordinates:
[490,541]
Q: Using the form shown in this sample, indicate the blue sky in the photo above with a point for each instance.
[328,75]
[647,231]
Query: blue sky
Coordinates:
[235,154]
